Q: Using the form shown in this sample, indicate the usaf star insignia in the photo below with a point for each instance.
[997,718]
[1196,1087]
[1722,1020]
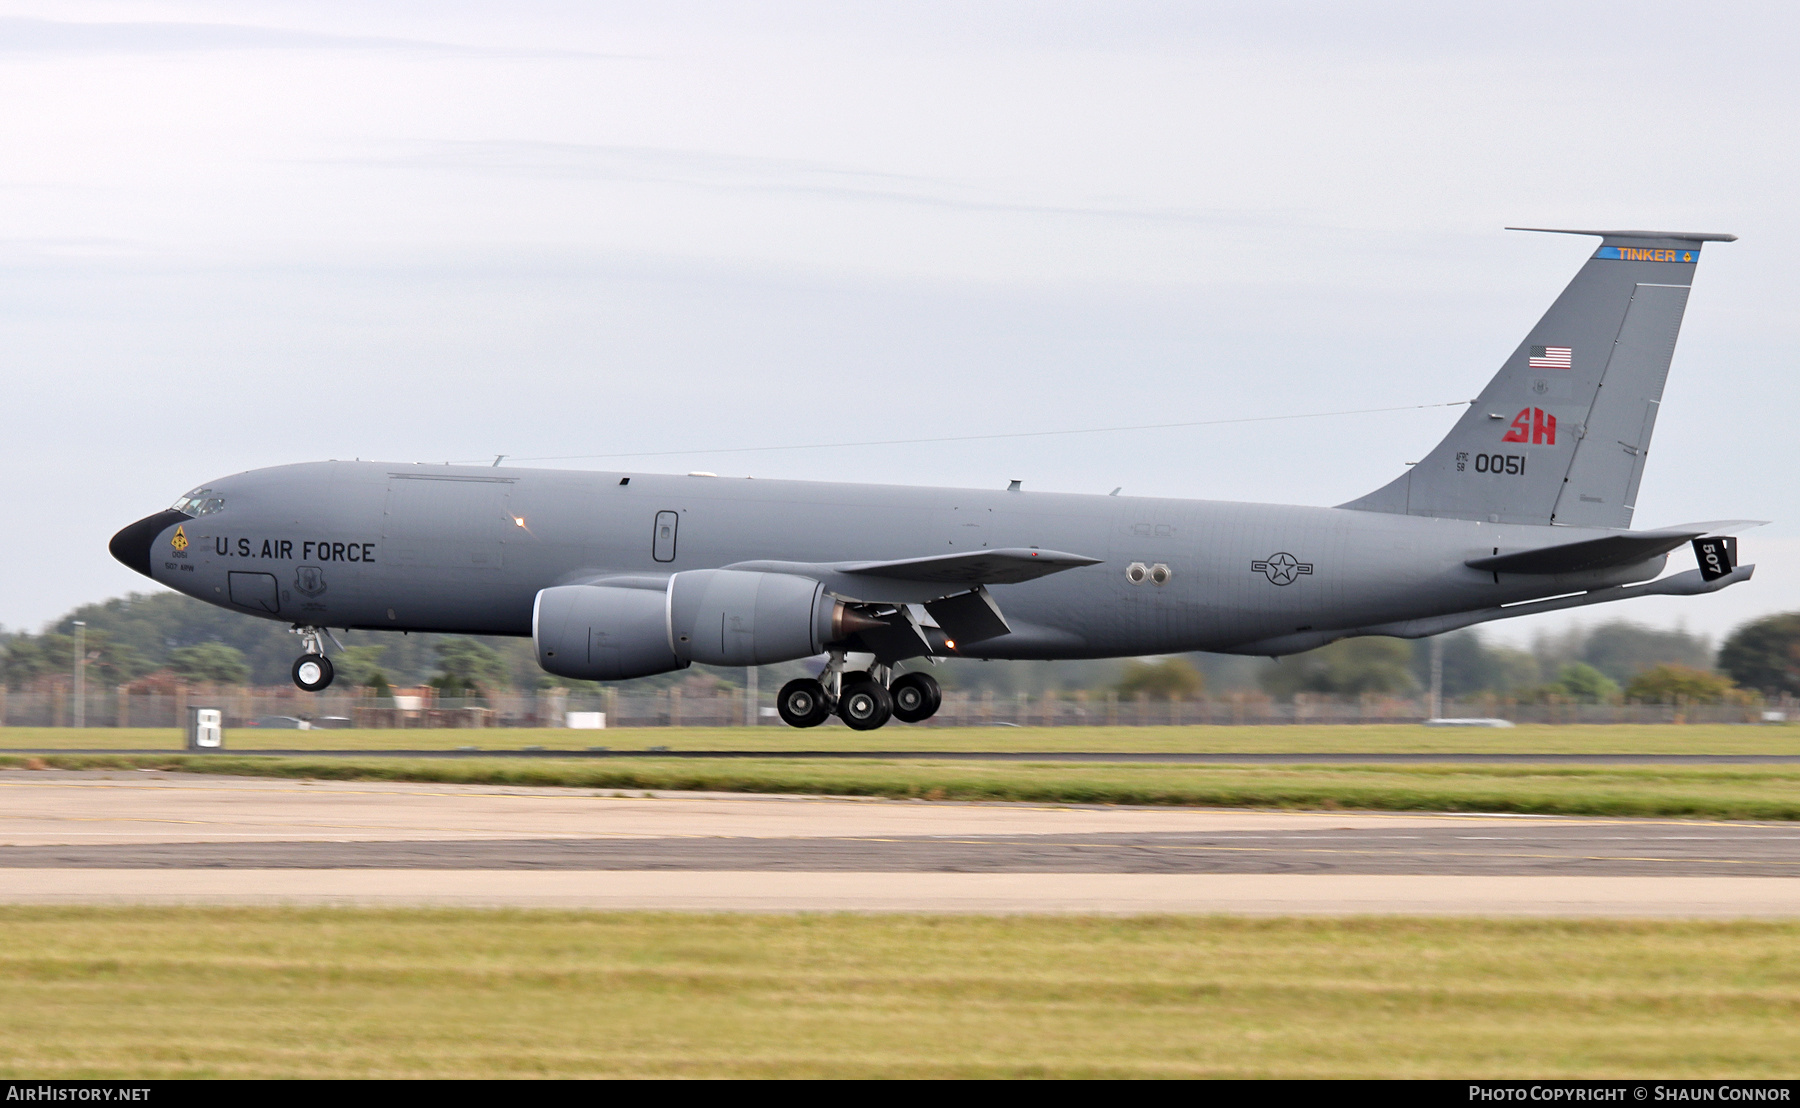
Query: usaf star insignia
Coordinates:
[1282,568]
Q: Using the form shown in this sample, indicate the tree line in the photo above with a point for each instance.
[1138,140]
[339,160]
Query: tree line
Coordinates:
[151,638]
[1613,661]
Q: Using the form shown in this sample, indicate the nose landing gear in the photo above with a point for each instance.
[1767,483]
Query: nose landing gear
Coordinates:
[312,670]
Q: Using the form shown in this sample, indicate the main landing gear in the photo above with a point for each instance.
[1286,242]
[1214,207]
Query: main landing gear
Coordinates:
[916,697]
[312,670]
[863,699]
[864,705]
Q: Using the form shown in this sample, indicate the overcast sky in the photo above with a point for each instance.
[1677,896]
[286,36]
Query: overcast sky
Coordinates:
[236,235]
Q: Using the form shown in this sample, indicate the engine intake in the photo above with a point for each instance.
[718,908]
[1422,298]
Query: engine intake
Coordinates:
[603,633]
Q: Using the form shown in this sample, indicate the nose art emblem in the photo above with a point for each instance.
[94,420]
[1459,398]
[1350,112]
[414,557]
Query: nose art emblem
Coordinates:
[179,542]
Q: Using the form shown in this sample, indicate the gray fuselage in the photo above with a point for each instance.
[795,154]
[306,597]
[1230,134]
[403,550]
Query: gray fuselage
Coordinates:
[460,549]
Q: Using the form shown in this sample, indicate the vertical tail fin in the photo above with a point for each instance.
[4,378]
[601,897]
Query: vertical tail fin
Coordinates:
[1561,432]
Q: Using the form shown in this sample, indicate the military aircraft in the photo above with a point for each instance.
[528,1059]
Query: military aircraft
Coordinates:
[1524,507]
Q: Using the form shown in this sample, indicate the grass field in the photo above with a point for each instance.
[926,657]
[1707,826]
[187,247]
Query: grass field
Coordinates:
[1742,792]
[157,992]
[1315,739]
[1718,792]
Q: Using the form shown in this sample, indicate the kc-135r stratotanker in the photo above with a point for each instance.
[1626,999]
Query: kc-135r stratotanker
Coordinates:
[1525,507]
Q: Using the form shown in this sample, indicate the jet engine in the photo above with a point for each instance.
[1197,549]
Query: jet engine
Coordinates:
[603,633]
[723,617]
[729,617]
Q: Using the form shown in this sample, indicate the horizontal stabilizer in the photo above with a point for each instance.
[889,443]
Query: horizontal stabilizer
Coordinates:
[1714,526]
[1579,557]
[1608,552]
[1673,236]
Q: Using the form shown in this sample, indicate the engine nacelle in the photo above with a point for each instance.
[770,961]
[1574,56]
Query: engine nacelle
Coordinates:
[603,633]
[729,617]
[723,617]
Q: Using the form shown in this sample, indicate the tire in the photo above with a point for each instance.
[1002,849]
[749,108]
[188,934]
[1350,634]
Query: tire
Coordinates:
[802,703]
[864,705]
[313,672]
[917,697]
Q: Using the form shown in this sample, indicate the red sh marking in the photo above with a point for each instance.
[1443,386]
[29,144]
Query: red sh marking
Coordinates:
[1533,425]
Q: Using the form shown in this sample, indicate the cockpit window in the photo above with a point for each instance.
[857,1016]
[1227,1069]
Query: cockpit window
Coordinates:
[198,503]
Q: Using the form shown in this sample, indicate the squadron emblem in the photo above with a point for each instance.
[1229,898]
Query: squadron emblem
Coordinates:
[309,580]
[1282,568]
[179,542]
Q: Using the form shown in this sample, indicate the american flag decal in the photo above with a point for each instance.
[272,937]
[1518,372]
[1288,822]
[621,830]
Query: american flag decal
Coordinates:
[1552,357]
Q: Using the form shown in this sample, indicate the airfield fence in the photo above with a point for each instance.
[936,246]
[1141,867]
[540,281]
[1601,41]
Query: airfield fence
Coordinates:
[672,708]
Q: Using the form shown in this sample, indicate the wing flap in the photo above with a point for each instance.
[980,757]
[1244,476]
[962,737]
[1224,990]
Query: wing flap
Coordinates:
[969,617]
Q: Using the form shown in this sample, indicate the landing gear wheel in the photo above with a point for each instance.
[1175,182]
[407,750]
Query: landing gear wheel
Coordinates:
[802,703]
[916,697]
[312,672]
[864,705]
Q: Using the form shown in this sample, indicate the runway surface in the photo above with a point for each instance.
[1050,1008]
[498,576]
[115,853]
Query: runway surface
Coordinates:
[164,837]
[1560,847]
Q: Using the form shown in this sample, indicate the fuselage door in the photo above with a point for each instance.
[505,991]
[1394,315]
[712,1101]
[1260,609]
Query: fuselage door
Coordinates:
[259,592]
[662,545]
[445,521]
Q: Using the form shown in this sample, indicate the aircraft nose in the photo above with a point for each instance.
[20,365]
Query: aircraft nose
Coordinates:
[131,546]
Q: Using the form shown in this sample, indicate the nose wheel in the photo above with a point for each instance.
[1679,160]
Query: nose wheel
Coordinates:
[312,670]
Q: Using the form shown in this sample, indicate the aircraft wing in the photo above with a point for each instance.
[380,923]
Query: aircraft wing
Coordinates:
[1621,549]
[656,583]
[916,580]
[982,567]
